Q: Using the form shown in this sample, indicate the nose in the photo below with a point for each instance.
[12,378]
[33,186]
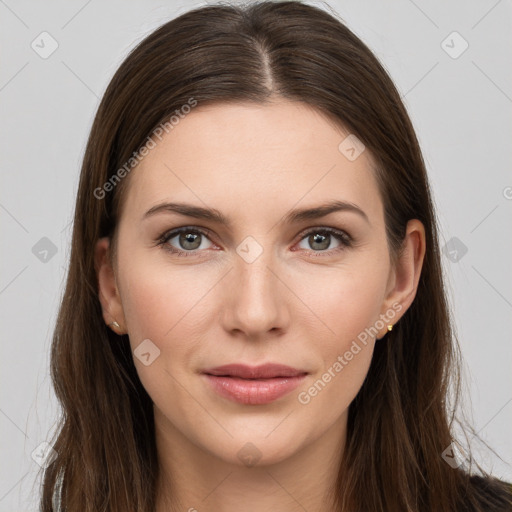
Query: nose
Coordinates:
[256,301]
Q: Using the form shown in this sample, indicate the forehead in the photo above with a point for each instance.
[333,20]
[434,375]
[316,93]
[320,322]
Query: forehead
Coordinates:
[253,157]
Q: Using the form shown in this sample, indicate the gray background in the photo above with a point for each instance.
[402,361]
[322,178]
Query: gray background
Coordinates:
[460,105]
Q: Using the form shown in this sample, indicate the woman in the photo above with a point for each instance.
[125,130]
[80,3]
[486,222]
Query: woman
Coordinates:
[255,316]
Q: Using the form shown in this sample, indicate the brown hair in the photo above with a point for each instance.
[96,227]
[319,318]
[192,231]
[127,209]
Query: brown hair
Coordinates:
[399,423]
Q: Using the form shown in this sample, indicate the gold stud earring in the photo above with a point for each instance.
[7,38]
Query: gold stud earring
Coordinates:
[390,327]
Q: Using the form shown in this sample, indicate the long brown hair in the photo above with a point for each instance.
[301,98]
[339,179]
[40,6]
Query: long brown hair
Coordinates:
[400,422]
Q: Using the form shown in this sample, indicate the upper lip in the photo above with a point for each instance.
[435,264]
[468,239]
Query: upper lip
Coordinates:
[264,371]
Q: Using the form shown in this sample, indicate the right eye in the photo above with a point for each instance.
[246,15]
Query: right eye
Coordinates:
[187,239]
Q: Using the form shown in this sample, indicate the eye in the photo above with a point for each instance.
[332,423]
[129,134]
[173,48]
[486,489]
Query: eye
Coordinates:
[188,241]
[320,239]
[184,241]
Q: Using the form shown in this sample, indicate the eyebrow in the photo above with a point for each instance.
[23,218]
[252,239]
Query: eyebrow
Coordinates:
[298,215]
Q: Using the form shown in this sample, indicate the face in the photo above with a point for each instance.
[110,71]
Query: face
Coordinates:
[265,285]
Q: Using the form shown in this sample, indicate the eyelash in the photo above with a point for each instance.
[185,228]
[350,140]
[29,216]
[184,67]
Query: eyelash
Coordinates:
[345,240]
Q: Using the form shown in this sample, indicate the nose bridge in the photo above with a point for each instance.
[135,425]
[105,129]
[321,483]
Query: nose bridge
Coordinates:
[257,304]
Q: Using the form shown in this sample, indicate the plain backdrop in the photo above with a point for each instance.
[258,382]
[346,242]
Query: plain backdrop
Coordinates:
[451,61]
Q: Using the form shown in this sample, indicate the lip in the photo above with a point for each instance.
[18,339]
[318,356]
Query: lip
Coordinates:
[254,385]
[264,371]
[253,391]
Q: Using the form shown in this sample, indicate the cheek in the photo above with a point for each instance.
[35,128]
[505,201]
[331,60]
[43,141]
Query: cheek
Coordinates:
[342,302]
[159,300]
[161,308]
[346,304]
[150,304]
[170,308]
[333,389]
[346,353]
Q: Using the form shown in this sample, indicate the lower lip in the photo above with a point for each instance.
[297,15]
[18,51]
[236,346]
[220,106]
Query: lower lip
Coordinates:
[253,392]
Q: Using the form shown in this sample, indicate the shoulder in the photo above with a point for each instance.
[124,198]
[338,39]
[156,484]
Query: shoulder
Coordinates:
[491,494]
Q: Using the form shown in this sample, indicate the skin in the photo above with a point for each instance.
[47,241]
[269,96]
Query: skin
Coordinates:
[299,303]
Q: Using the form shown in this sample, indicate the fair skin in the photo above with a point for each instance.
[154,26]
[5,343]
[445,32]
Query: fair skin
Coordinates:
[300,303]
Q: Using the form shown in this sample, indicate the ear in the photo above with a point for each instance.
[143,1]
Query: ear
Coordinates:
[405,276]
[109,296]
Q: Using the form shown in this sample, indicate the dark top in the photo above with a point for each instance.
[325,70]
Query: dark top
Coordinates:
[495,495]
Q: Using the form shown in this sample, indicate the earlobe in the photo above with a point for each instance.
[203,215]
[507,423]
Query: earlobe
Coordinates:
[108,292]
[407,271]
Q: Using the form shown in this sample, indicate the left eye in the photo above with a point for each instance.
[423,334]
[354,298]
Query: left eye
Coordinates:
[320,239]
[190,240]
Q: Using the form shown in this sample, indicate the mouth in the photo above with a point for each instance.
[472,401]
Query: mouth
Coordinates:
[253,385]
[265,371]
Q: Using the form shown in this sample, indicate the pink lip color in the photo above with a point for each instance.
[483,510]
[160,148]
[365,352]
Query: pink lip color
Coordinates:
[253,391]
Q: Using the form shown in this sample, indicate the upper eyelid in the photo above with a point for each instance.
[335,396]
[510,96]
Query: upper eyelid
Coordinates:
[171,233]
